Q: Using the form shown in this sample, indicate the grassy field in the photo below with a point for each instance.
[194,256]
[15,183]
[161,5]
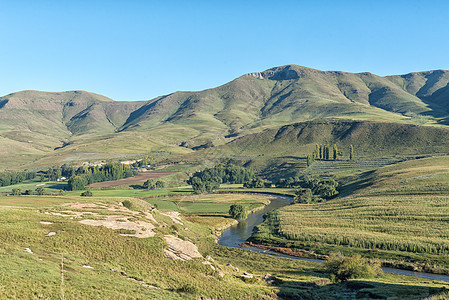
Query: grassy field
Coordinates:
[398,213]
[95,262]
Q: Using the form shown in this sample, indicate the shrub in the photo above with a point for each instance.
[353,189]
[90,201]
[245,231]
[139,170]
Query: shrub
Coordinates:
[128,204]
[188,288]
[237,212]
[86,194]
[352,267]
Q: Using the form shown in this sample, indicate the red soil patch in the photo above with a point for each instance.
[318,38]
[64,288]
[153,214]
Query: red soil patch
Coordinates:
[140,178]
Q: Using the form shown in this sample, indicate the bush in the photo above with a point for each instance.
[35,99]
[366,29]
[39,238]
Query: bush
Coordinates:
[86,194]
[303,196]
[352,267]
[237,212]
[188,288]
[128,204]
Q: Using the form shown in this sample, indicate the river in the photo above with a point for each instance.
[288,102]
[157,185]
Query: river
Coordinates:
[237,234]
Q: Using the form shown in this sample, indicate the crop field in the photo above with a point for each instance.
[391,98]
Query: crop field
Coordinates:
[397,213]
[138,179]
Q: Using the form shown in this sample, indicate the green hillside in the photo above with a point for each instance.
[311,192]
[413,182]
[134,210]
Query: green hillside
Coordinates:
[370,139]
[80,124]
[397,213]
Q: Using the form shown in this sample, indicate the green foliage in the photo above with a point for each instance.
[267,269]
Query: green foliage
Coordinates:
[86,194]
[87,175]
[188,289]
[160,184]
[11,178]
[351,152]
[309,160]
[257,182]
[353,267]
[303,196]
[16,191]
[77,183]
[323,186]
[237,212]
[40,190]
[149,184]
[210,179]
[335,151]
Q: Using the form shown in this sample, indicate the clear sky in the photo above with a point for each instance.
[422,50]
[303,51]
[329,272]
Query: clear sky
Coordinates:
[137,50]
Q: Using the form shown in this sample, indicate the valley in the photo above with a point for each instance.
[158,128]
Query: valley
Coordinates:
[132,197]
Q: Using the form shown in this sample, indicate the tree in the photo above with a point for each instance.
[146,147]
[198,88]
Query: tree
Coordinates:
[86,194]
[149,184]
[303,196]
[197,185]
[160,184]
[351,152]
[76,183]
[352,267]
[335,151]
[309,160]
[28,192]
[16,192]
[40,190]
[326,152]
[237,212]
[321,151]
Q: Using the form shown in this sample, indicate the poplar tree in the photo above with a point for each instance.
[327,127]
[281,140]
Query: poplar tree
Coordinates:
[309,160]
[351,152]
[335,150]
[326,150]
[321,151]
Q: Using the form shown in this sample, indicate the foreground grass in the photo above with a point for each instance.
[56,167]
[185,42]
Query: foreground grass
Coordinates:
[56,268]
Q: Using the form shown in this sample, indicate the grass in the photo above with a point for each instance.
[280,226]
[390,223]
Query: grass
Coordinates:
[114,259]
[398,213]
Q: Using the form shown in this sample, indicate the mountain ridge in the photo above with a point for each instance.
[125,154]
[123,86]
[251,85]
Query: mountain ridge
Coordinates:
[248,104]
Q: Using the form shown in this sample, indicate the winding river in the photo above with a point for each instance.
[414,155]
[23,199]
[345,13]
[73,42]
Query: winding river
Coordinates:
[237,234]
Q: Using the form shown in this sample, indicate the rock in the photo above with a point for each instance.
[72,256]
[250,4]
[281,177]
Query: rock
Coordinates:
[210,258]
[232,267]
[87,267]
[221,274]
[180,249]
[247,275]
[45,223]
[51,233]
[268,278]
[207,263]
[29,250]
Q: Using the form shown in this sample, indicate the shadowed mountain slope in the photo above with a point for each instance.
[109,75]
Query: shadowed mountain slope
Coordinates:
[370,139]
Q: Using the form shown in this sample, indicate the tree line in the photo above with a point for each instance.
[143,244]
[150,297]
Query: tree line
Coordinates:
[308,186]
[211,178]
[11,178]
[86,175]
[324,152]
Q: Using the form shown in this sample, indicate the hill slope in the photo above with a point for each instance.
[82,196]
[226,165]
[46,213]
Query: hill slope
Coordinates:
[374,139]
[36,123]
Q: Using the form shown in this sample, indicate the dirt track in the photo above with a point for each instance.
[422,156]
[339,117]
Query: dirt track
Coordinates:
[140,178]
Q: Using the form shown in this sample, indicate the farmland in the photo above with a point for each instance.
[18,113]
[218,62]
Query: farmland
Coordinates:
[95,262]
[398,213]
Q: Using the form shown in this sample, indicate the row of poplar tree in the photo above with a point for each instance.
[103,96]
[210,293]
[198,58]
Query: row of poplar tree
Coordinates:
[110,171]
[323,152]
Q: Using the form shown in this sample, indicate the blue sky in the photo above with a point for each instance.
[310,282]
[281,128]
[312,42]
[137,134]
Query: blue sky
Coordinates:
[137,50]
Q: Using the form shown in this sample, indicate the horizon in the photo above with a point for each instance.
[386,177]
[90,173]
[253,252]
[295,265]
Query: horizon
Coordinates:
[175,91]
[141,50]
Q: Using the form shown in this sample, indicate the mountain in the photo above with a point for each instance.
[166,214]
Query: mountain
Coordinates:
[293,93]
[77,122]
